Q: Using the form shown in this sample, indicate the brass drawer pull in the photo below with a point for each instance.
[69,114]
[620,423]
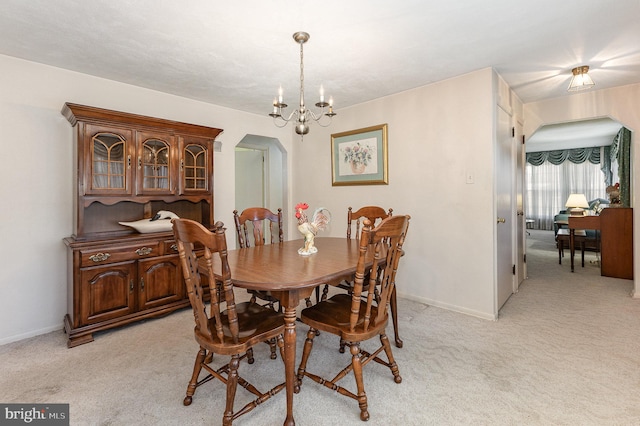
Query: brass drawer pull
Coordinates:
[174,247]
[99,257]
[144,251]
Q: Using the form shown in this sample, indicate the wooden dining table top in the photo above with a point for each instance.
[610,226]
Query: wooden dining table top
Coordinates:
[279,267]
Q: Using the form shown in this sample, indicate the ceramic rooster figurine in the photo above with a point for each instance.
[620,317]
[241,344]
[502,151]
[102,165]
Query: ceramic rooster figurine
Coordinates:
[319,221]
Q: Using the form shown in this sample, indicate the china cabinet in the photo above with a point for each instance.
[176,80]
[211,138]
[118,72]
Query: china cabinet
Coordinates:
[129,167]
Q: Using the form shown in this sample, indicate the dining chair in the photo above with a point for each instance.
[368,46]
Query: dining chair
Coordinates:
[375,215]
[364,314]
[222,327]
[259,217]
[252,221]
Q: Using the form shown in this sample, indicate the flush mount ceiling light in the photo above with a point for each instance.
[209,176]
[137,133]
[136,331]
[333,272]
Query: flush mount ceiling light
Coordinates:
[302,115]
[581,79]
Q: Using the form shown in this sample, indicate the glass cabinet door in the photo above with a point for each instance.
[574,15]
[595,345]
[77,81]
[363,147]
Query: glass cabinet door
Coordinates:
[109,161]
[155,164]
[196,166]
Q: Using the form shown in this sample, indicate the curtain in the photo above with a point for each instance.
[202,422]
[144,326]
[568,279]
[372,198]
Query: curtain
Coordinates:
[624,165]
[576,155]
[549,186]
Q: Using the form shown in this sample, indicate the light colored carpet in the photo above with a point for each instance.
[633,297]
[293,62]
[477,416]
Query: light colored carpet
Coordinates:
[565,351]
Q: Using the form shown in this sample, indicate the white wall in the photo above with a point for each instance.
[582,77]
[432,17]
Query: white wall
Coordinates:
[621,104]
[436,134]
[36,177]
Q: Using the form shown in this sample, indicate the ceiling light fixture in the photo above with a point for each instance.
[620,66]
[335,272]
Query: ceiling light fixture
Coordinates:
[302,115]
[581,79]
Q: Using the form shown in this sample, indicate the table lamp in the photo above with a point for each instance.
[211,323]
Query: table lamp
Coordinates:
[576,203]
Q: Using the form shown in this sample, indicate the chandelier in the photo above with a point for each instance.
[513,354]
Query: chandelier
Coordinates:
[302,115]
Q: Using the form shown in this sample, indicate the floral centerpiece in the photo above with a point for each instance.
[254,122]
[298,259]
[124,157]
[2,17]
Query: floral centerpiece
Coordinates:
[358,156]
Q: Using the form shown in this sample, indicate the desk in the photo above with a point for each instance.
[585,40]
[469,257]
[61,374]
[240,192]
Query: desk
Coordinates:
[279,268]
[616,239]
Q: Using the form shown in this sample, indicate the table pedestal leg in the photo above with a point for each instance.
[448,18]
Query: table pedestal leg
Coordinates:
[290,300]
[290,359]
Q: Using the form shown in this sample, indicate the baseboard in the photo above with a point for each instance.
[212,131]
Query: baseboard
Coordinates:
[448,307]
[32,333]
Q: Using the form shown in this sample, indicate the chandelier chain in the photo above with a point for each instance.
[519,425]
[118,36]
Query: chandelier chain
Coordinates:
[301,75]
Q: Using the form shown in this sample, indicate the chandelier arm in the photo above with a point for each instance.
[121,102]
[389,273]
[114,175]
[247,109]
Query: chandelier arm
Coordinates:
[294,114]
[317,117]
[324,125]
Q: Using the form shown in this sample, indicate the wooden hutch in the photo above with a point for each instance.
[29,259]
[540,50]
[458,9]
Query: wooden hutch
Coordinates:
[128,168]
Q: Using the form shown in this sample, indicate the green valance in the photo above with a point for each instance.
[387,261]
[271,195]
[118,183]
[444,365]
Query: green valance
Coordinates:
[576,155]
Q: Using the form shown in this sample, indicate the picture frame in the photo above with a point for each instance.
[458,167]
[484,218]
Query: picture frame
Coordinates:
[359,157]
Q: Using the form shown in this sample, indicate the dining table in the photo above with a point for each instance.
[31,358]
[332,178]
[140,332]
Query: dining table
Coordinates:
[291,277]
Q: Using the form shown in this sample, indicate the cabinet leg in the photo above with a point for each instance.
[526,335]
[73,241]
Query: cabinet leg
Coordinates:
[74,338]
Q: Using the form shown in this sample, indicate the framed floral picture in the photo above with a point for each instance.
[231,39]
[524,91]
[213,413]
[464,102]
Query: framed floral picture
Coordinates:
[359,157]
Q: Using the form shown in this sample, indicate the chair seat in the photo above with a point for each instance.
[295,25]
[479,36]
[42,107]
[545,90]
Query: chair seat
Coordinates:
[332,315]
[256,323]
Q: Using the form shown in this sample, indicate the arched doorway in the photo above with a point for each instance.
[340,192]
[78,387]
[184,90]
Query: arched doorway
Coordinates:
[261,174]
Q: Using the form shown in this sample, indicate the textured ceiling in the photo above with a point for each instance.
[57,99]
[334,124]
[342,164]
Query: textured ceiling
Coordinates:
[236,54]
[577,134]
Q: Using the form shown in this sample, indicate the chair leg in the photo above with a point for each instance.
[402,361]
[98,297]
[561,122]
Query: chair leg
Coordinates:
[392,362]
[272,346]
[250,358]
[343,344]
[325,293]
[232,385]
[394,318]
[357,373]
[193,383]
[308,345]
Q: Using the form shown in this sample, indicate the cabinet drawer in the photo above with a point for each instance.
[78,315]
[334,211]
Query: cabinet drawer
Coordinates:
[118,254]
[170,247]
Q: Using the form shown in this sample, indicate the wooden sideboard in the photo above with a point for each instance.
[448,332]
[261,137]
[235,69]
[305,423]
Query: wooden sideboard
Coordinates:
[129,167]
[616,239]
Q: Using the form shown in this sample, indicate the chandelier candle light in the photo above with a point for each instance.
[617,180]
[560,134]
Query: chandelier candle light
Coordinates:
[302,115]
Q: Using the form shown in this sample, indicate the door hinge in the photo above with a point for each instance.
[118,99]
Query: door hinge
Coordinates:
[513,132]
[522,139]
[524,258]
[514,269]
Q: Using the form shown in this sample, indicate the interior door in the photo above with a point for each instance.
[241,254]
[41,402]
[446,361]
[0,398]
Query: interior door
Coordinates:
[504,209]
[521,266]
[250,181]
